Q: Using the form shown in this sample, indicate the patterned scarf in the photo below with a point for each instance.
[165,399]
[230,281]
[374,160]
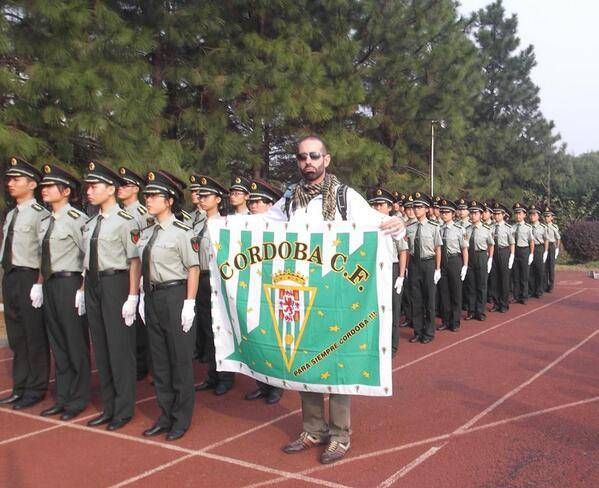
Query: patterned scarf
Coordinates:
[303,193]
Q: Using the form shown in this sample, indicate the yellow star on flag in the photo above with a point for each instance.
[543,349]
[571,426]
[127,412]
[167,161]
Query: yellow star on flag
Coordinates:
[244,338]
[366,374]
[217,246]
[334,328]
[262,331]
[341,365]
[320,313]
[362,253]
[336,242]
[268,363]
[325,375]
[243,284]
[355,306]
[363,346]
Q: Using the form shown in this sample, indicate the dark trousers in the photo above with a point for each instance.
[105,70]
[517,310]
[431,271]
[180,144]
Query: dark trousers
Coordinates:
[550,268]
[536,277]
[396,310]
[266,388]
[142,348]
[26,335]
[500,277]
[69,340]
[477,277]
[520,274]
[450,291]
[204,322]
[172,356]
[422,291]
[114,343]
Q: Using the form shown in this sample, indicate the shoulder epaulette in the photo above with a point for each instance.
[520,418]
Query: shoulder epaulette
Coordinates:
[37,206]
[74,214]
[544,225]
[555,225]
[181,225]
[458,225]
[46,217]
[507,225]
[185,214]
[434,222]
[142,210]
[412,223]
[125,215]
[487,226]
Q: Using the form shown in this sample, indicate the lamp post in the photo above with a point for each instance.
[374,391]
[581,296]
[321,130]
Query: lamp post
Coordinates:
[442,123]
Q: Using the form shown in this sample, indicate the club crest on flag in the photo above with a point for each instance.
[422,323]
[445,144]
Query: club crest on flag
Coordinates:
[290,302]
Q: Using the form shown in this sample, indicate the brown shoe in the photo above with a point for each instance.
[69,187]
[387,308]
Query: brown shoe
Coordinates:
[303,442]
[334,452]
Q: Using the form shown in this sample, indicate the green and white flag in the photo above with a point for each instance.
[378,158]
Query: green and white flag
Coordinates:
[303,307]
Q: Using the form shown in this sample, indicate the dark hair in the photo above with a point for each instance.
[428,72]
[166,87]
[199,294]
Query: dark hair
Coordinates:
[315,138]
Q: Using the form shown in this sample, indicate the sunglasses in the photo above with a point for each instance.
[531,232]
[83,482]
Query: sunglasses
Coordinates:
[446,211]
[314,156]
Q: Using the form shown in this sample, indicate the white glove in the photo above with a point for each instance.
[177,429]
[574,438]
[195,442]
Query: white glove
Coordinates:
[556,252]
[463,273]
[489,264]
[188,314]
[80,302]
[129,310]
[37,295]
[437,276]
[531,256]
[510,263]
[398,284]
[545,254]
[141,308]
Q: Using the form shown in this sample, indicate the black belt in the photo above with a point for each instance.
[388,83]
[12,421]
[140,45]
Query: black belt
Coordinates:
[481,251]
[205,272]
[455,254]
[22,268]
[65,274]
[423,259]
[112,272]
[166,284]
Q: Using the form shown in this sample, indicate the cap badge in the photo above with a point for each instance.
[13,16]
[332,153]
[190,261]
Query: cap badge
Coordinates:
[151,176]
[47,168]
[203,181]
[253,186]
[91,166]
[13,161]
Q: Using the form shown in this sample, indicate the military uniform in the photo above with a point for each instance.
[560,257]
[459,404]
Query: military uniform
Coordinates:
[480,239]
[450,284]
[239,183]
[554,237]
[167,251]
[144,220]
[424,239]
[110,243]
[536,277]
[24,324]
[522,239]
[500,272]
[220,381]
[406,299]
[61,267]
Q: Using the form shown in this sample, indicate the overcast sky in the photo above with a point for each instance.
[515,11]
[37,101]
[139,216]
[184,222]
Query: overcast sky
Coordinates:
[565,37]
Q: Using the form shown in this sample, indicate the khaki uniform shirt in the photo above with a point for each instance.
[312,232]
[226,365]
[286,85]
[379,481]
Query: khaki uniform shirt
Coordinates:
[483,238]
[539,233]
[453,237]
[465,223]
[553,234]
[206,247]
[172,254]
[430,238]
[522,234]
[116,245]
[140,213]
[503,234]
[198,220]
[66,239]
[26,244]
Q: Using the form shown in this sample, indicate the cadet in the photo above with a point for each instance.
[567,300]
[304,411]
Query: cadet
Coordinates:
[382,201]
[262,197]
[524,245]
[61,268]
[536,277]
[554,238]
[436,213]
[128,195]
[398,199]
[238,195]
[503,259]
[464,220]
[406,300]
[169,252]
[480,259]
[424,268]
[211,194]
[112,273]
[454,266]
[22,289]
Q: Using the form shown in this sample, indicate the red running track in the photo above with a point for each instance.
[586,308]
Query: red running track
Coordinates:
[513,401]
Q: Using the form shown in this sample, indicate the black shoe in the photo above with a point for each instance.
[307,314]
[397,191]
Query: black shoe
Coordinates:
[155,430]
[503,310]
[221,389]
[10,399]
[481,317]
[404,323]
[255,395]
[455,329]
[175,434]
[443,327]
[26,403]
[495,308]
[415,339]
[274,396]
[101,419]
[53,410]
[426,340]
[470,316]
[205,385]
[118,423]
[70,414]
[141,375]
